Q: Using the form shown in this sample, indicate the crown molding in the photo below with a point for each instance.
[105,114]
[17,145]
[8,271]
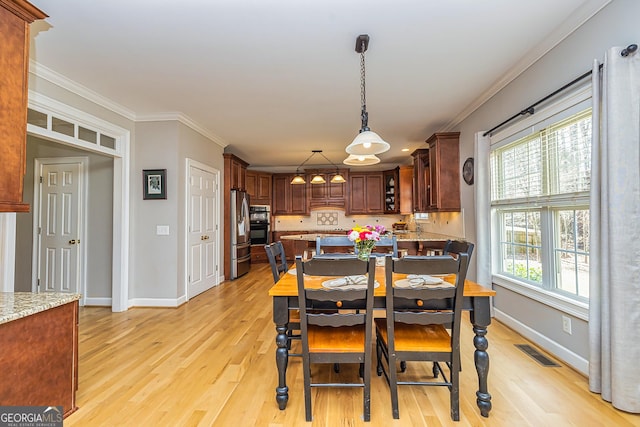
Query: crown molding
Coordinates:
[58,79]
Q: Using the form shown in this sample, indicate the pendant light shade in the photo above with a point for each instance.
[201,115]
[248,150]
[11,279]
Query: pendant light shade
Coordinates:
[361,160]
[366,142]
[338,179]
[298,179]
[318,179]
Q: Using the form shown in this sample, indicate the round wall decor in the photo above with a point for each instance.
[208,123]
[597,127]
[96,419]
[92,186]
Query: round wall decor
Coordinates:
[467,171]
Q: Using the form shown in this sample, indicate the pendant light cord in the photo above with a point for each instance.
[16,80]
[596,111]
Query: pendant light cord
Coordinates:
[363,92]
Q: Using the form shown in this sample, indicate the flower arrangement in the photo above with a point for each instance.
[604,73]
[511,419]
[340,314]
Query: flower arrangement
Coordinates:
[365,238]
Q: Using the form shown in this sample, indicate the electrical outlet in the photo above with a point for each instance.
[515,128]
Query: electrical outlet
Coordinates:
[566,324]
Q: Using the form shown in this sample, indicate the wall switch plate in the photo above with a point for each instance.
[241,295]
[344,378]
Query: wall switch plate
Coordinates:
[162,230]
[566,324]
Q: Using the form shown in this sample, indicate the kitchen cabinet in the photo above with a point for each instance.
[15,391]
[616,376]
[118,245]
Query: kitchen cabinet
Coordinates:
[258,186]
[288,199]
[235,170]
[404,195]
[391,191]
[15,17]
[366,193]
[39,357]
[437,174]
[327,195]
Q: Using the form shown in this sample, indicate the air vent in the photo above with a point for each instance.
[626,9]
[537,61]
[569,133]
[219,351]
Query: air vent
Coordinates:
[535,354]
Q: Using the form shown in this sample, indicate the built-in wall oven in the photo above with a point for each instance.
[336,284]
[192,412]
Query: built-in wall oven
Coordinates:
[260,217]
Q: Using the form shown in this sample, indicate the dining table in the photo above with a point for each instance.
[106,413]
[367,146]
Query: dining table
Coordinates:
[477,300]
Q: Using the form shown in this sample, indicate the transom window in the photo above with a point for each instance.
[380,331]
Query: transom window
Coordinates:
[540,198]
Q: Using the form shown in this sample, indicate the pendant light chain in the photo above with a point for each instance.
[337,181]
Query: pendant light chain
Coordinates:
[363,92]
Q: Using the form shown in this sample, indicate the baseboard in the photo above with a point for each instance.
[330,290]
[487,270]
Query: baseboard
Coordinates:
[97,301]
[572,359]
[156,302]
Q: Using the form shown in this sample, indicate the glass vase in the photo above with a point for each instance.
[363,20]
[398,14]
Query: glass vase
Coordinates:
[363,251]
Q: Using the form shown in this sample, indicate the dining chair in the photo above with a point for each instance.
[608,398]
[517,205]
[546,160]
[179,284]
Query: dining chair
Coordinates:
[418,313]
[458,246]
[278,262]
[337,244]
[332,332]
[277,259]
[388,241]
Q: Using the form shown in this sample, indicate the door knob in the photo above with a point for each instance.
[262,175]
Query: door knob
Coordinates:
[73,242]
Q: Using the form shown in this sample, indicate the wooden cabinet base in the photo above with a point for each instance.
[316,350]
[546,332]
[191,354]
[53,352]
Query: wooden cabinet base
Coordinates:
[39,359]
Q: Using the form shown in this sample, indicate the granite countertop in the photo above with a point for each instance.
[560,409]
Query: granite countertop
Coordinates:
[408,236]
[15,305]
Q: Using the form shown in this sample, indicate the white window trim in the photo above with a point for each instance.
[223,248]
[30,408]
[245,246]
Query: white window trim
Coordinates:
[552,299]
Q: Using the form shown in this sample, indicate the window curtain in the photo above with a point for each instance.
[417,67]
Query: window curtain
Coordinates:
[614,308]
[482,200]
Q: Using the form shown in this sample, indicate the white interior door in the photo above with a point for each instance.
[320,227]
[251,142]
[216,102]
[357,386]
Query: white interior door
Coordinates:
[59,227]
[202,231]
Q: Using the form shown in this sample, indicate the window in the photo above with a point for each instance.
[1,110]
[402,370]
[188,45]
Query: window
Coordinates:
[540,200]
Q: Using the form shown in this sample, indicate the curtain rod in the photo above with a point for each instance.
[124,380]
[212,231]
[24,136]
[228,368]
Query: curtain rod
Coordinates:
[531,109]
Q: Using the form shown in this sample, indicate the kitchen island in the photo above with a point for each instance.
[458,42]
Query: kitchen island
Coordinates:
[413,242]
[39,349]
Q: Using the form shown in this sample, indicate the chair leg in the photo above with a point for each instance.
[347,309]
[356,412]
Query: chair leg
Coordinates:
[393,387]
[455,392]
[306,366]
[367,387]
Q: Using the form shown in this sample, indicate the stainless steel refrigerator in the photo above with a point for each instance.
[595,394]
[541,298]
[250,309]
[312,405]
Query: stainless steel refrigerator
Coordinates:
[240,234]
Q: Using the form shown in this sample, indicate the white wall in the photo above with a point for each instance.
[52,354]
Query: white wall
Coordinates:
[615,25]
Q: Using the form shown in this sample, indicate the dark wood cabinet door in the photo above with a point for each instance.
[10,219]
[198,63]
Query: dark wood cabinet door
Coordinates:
[444,168]
[263,191]
[280,200]
[298,199]
[14,62]
[366,193]
[288,199]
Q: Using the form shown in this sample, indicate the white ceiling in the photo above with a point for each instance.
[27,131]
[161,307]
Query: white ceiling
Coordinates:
[275,79]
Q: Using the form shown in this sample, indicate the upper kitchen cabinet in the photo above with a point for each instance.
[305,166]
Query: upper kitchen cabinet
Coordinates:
[288,199]
[15,17]
[391,191]
[258,187]
[404,196]
[235,170]
[327,195]
[366,191]
[436,174]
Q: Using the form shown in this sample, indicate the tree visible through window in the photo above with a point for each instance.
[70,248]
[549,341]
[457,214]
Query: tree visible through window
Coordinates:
[540,193]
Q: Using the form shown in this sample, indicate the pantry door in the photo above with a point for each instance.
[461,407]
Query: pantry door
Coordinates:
[202,258]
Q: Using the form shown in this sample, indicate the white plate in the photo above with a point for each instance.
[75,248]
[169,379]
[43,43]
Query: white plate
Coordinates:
[348,282]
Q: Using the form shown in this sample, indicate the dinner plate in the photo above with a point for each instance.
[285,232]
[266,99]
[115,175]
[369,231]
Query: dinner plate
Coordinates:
[348,282]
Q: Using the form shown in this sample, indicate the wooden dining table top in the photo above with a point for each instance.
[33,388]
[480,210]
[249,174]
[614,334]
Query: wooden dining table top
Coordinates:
[287,286]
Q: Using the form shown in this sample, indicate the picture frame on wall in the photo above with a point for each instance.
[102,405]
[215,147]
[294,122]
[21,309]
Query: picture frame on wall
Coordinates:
[154,184]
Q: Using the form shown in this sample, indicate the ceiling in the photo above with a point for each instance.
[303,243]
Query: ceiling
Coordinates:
[274,79]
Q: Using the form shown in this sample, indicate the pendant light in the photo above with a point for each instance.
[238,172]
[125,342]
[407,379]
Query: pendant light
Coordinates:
[318,179]
[361,160]
[366,142]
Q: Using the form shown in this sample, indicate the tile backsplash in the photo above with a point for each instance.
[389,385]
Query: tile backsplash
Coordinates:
[330,220]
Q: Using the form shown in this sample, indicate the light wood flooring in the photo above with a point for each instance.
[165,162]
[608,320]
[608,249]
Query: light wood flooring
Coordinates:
[211,362]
